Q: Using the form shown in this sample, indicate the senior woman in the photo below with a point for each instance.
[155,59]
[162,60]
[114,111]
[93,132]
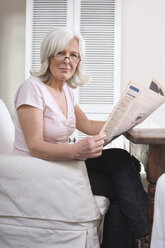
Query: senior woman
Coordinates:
[47,114]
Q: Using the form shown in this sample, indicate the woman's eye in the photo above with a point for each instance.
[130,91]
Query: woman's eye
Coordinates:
[60,53]
[74,55]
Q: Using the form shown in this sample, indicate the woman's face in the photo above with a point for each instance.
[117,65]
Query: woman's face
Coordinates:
[63,65]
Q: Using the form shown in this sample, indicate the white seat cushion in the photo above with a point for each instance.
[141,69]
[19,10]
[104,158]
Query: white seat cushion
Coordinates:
[103,203]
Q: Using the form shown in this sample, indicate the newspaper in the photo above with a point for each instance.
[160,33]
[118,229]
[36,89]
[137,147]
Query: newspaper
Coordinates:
[136,103]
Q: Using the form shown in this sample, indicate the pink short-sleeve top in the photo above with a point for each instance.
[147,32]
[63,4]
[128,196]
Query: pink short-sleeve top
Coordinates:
[56,127]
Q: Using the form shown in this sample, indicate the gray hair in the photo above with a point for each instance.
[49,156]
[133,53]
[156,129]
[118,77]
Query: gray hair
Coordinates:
[54,42]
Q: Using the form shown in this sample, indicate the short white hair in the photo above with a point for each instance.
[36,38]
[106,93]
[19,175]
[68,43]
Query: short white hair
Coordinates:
[54,42]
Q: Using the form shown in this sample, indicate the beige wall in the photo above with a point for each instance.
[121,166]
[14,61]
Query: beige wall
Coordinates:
[12,48]
[143,40]
[143,45]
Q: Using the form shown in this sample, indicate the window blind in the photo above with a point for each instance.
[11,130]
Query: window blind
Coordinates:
[97,25]
[46,15]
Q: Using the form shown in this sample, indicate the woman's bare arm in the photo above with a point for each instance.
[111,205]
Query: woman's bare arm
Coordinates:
[85,125]
[31,121]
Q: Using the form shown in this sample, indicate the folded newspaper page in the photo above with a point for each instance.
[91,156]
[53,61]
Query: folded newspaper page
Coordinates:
[135,105]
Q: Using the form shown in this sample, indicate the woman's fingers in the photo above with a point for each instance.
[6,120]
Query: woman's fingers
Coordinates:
[99,140]
[98,144]
[99,137]
[91,147]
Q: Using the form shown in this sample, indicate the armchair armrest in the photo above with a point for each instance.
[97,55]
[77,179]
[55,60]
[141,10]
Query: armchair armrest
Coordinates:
[35,188]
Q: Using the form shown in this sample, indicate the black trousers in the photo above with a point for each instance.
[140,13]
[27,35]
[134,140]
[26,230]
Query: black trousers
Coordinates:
[114,175]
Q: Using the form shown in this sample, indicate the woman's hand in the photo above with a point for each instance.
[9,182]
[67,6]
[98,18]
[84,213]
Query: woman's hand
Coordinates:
[90,147]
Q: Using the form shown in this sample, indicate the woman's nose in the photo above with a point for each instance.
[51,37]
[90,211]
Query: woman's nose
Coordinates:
[67,59]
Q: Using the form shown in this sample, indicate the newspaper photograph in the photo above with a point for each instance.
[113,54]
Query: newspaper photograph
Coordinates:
[135,105]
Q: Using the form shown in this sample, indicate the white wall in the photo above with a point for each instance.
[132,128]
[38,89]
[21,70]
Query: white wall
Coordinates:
[143,46]
[12,48]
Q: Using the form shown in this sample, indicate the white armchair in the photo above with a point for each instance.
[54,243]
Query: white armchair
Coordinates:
[158,227]
[45,204]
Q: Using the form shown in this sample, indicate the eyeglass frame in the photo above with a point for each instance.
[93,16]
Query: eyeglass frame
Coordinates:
[78,59]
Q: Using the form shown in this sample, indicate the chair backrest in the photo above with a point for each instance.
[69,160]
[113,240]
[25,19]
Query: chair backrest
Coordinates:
[6,130]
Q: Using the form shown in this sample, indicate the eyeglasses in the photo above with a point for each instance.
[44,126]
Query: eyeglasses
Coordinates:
[73,58]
